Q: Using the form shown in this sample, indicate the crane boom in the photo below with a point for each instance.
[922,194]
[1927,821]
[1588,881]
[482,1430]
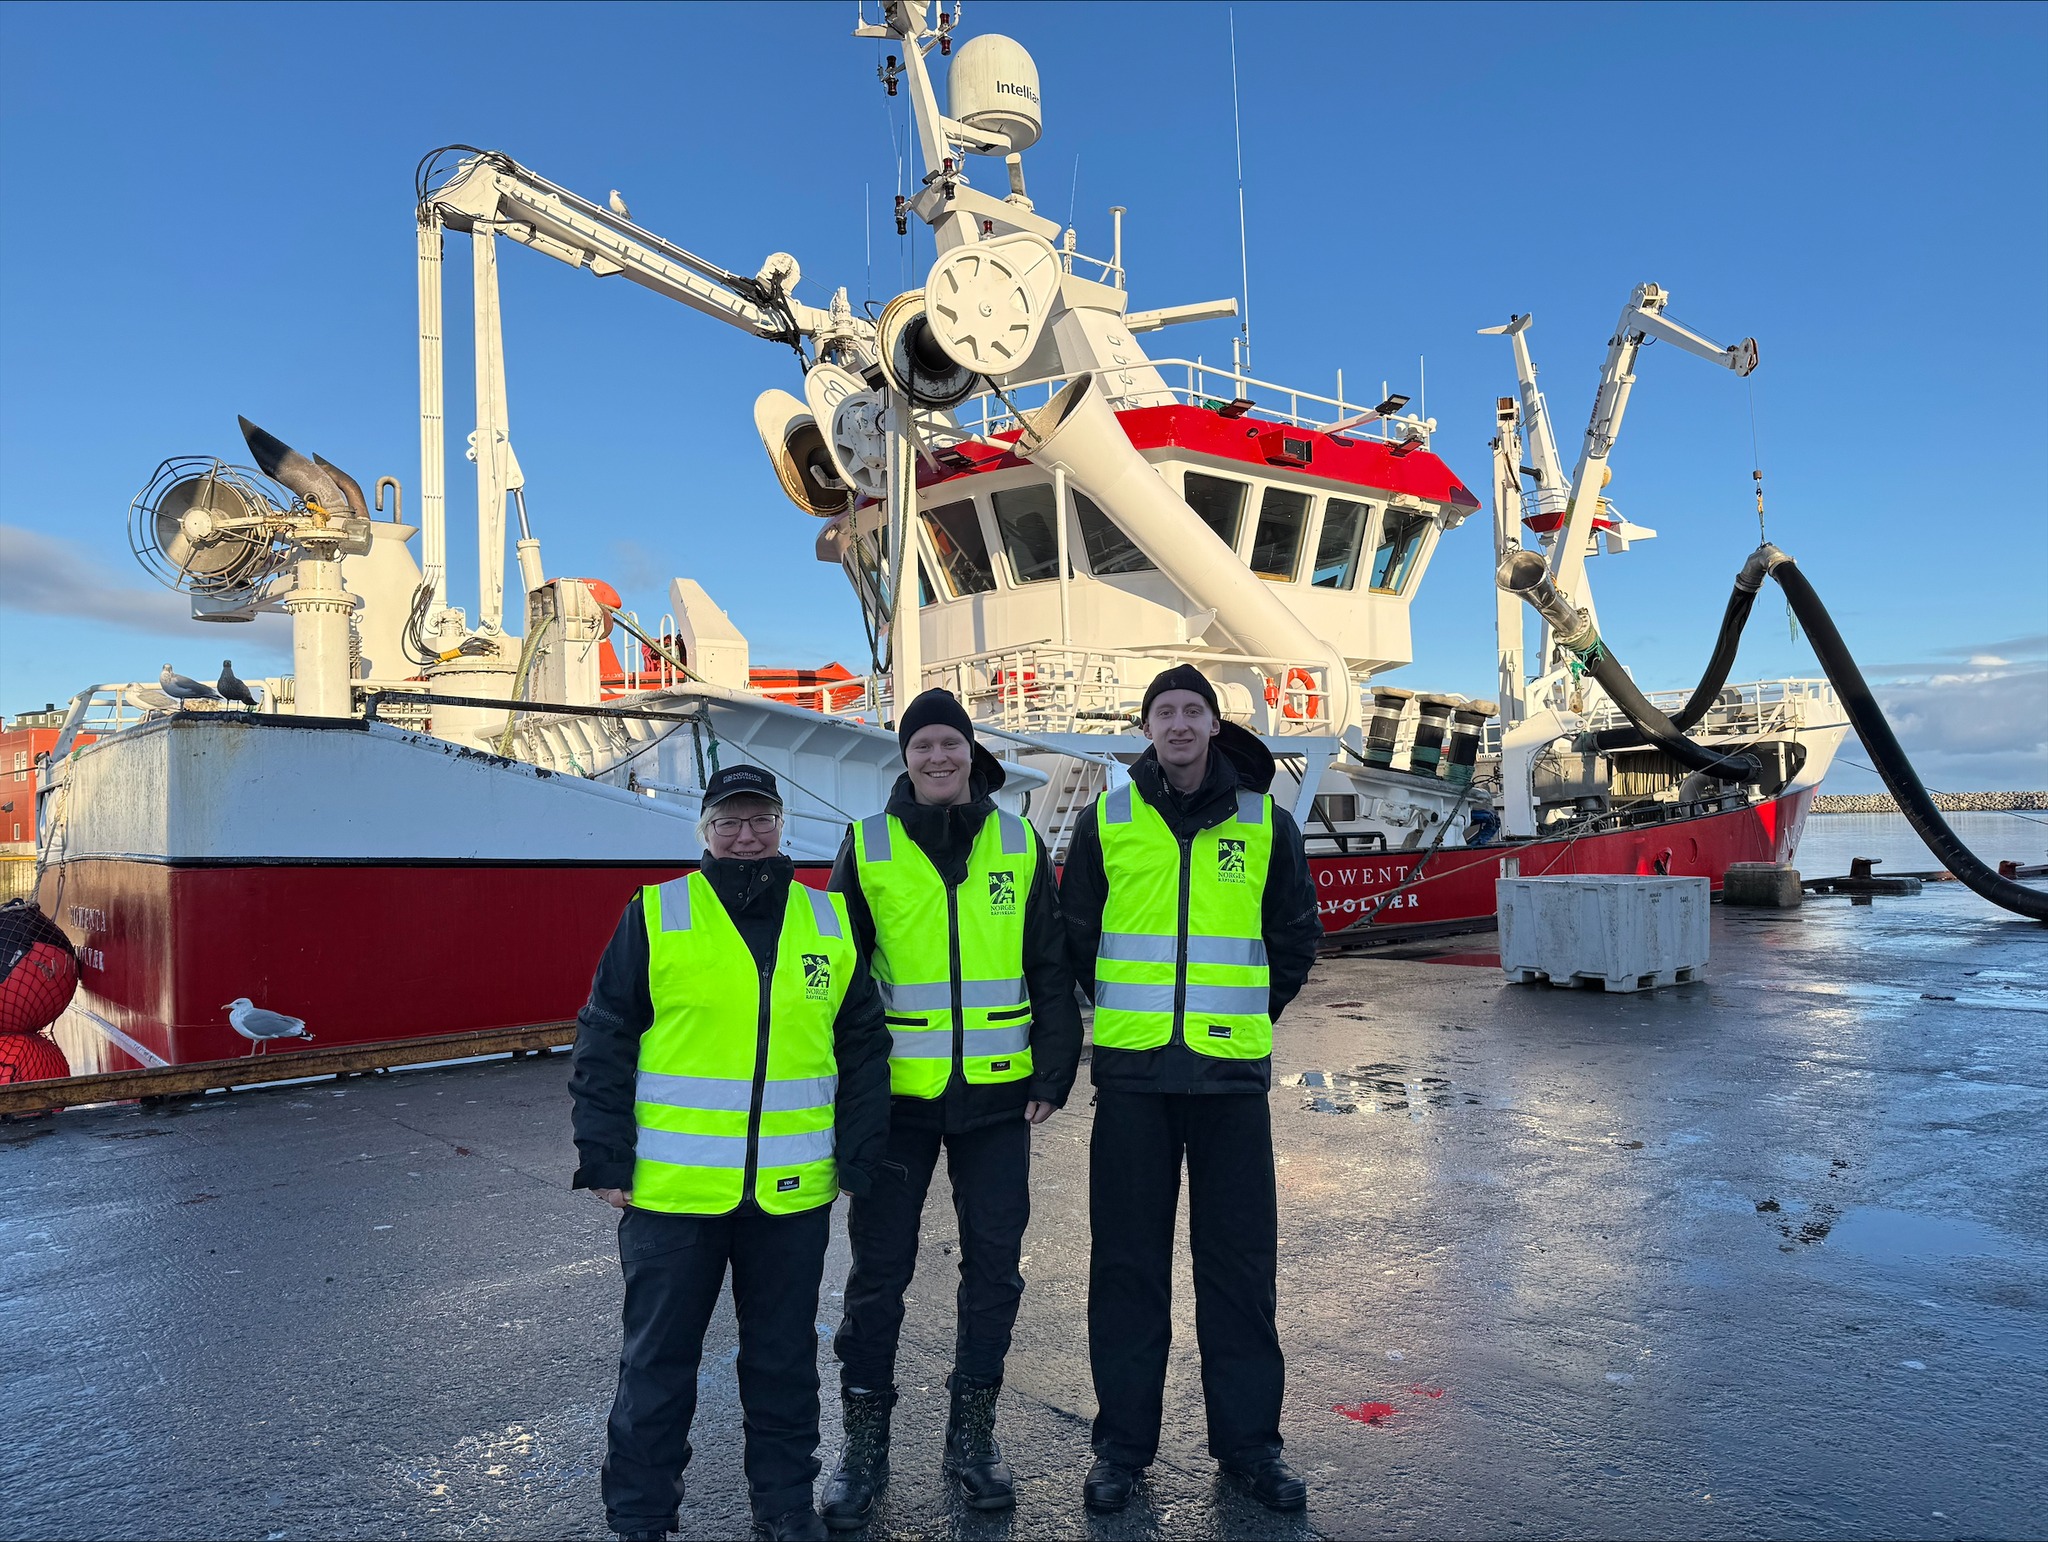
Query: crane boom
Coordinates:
[495,192]
[489,195]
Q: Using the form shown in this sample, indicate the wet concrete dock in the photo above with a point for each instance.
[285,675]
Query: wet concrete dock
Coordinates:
[1764,1256]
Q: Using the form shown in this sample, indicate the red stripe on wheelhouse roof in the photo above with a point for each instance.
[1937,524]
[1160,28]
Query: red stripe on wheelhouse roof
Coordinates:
[1368,463]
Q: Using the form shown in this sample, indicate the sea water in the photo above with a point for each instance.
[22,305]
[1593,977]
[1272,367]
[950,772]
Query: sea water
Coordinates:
[1831,841]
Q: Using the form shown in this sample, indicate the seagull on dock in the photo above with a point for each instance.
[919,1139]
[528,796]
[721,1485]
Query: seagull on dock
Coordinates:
[260,1026]
[183,688]
[232,688]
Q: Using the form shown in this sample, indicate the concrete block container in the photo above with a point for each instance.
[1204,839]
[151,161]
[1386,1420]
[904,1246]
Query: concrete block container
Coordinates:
[1624,932]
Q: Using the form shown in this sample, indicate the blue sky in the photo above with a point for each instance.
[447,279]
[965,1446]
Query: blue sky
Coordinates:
[209,211]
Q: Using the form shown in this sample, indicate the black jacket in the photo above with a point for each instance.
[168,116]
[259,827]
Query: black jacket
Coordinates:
[1291,927]
[946,835]
[606,1060]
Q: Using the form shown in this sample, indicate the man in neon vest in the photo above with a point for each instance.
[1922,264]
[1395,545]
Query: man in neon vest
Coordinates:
[731,1076]
[1191,923]
[956,905]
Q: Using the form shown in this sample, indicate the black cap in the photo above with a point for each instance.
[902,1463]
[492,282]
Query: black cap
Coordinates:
[732,781]
[1182,677]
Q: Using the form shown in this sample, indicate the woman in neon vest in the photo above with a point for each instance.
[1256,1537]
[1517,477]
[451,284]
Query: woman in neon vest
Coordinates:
[731,1076]
[1191,922]
[955,903]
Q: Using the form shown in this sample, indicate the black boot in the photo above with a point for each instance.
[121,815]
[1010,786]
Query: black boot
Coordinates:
[863,1470]
[798,1525]
[1273,1483]
[972,1455]
[1109,1485]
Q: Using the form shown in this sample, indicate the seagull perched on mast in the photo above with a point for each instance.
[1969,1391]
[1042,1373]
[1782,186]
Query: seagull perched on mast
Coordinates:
[260,1026]
[619,206]
[183,688]
[230,687]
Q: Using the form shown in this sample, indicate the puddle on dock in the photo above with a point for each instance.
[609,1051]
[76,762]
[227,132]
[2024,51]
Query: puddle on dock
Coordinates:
[1882,1234]
[1374,1089]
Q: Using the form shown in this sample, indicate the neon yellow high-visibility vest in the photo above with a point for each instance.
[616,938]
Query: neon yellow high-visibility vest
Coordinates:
[719,1100]
[950,962]
[1183,952]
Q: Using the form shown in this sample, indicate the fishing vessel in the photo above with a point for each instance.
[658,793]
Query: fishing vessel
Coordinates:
[430,825]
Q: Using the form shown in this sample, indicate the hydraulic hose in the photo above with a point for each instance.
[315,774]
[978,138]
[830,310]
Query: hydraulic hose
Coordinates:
[1526,574]
[1883,745]
[1655,728]
[1733,620]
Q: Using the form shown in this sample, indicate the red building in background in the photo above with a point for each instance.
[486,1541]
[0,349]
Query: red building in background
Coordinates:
[30,736]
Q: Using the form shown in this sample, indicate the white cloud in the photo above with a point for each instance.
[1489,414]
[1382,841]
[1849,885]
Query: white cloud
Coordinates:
[44,575]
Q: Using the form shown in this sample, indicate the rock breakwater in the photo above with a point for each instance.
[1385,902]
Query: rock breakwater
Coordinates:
[1947,802]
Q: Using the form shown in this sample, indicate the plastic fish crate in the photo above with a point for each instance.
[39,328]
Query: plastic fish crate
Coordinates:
[1624,932]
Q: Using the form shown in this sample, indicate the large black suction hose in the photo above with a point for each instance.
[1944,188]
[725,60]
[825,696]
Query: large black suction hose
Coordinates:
[1740,599]
[1659,730]
[1526,574]
[1884,749]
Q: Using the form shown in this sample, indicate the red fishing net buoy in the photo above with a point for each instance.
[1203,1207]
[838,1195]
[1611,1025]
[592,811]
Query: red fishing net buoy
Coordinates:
[38,969]
[29,1057]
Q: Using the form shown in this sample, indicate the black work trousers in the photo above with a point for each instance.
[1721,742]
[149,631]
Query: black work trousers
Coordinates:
[675,1266]
[990,1170]
[1134,1163]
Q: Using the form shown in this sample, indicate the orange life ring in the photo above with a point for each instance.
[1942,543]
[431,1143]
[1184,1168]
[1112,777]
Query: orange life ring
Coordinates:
[1302,701]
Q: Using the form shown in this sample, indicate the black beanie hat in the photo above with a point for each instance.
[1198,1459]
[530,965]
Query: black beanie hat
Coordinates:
[1182,677]
[939,705]
[936,705]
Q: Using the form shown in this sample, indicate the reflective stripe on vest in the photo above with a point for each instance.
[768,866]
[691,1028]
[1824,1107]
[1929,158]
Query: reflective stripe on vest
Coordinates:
[716,1099]
[1182,954]
[934,946]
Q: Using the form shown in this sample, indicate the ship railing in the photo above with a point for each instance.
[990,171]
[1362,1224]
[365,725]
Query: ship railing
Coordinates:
[100,710]
[1044,688]
[1754,710]
[1212,386]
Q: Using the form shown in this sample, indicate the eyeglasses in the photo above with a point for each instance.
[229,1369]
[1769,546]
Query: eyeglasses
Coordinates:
[760,824]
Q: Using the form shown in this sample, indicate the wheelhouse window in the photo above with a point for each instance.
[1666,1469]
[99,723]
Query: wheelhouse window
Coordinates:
[956,537]
[1024,520]
[1109,549]
[1338,546]
[1276,539]
[1220,503]
[1400,539]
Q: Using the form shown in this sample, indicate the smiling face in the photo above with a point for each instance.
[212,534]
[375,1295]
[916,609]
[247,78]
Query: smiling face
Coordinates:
[1180,726]
[940,763]
[731,830]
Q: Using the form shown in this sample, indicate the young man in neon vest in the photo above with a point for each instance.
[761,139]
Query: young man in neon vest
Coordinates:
[1191,923]
[731,1076]
[955,903]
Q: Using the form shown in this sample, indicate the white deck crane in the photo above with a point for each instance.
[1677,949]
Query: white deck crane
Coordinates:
[1535,712]
[491,195]
[1577,498]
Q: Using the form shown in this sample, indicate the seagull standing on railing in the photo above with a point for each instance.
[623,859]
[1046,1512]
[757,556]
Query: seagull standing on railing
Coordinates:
[183,688]
[260,1026]
[618,206]
[232,688]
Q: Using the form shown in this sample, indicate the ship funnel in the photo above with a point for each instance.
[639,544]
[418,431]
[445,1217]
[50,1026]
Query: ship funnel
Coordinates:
[1077,432]
[1527,574]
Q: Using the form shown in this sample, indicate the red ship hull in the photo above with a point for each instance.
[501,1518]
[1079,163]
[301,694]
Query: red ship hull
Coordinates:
[368,951]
